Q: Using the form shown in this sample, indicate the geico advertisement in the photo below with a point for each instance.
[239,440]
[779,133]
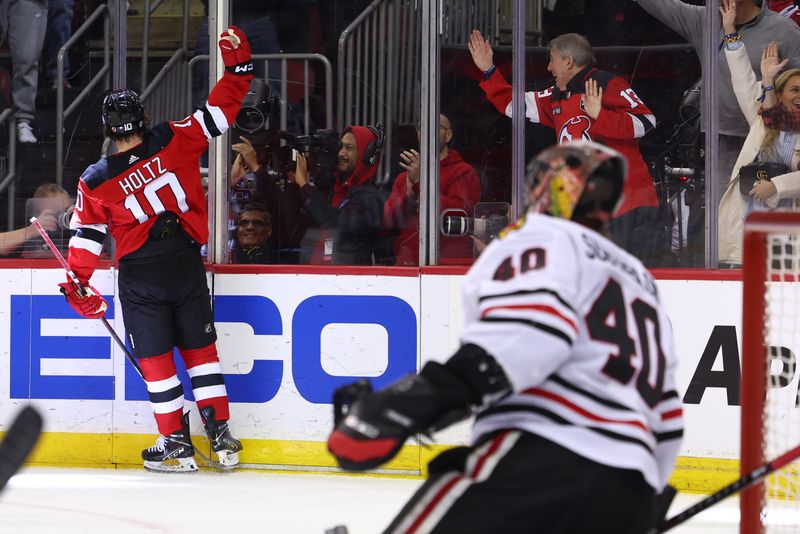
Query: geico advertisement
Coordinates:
[287,341]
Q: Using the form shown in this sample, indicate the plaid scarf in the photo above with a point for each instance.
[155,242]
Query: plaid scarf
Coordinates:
[781,118]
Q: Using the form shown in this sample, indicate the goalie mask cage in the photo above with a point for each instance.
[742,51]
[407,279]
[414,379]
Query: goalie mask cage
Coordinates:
[770,423]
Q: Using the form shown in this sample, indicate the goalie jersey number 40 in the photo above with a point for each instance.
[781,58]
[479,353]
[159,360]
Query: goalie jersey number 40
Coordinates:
[578,326]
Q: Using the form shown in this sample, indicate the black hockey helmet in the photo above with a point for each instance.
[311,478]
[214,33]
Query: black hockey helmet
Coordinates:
[123,113]
[576,181]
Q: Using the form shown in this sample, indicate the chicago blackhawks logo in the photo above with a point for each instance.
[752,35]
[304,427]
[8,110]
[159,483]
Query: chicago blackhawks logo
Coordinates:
[576,129]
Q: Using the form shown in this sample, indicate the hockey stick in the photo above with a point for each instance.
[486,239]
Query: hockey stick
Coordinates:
[20,439]
[753,477]
[82,291]
[128,355]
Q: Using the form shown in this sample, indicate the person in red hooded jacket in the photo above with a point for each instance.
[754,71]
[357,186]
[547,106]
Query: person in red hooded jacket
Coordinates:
[459,187]
[350,222]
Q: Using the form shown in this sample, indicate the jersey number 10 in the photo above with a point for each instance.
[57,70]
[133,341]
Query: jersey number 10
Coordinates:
[150,191]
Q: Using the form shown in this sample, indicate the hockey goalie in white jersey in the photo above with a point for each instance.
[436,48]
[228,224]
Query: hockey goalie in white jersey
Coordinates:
[567,363]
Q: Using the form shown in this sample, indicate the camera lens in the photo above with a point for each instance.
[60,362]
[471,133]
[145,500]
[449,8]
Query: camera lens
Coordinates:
[456,225]
[64,218]
[250,120]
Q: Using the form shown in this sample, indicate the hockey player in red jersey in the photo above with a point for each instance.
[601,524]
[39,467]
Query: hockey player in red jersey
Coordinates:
[149,196]
[587,104]
[566,361]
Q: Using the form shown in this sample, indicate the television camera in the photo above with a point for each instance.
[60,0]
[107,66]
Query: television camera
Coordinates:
[258,121]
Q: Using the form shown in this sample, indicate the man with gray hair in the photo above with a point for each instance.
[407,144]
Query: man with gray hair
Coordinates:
[587,104]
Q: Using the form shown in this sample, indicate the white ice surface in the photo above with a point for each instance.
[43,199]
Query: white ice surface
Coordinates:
[67,501]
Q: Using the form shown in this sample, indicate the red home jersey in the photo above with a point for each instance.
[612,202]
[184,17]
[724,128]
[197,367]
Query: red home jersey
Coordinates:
[623,119]
[125,192]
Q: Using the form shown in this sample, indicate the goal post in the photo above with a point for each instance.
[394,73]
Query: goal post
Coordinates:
[770,423]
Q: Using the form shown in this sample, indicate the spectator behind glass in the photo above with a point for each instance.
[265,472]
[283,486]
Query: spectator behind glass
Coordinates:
[757,26]
[24,23]
[59,30]
[277,192]
[253,231]
[51,205]
[591,105]
[350,222]
[459,187]
[763,143]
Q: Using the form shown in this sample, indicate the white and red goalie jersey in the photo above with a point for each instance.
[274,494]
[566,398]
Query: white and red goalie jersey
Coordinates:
[577,324]
[125,192]
[624,118]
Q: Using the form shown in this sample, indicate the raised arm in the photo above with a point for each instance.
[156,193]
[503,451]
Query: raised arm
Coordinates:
[498,90]
[215,116]
[771,65]
[685,19]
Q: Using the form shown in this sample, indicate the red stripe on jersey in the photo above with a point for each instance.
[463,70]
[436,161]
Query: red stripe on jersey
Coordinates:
[195,357]
[672,414]
[537,392]
[431,505]
[159,367]
[221,407]
[82,262]
[491,450]
[168,423]
[535,307]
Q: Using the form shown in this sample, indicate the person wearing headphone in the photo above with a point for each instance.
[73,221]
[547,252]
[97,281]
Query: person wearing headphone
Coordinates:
[350,220]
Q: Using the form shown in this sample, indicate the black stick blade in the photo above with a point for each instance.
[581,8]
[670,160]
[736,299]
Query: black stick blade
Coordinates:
[19,441]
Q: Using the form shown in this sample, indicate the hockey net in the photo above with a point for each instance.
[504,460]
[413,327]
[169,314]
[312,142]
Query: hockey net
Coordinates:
[770,341]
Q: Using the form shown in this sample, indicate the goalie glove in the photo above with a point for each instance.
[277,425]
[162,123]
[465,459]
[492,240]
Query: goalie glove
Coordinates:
[236,52]
[86,301]
[377,424]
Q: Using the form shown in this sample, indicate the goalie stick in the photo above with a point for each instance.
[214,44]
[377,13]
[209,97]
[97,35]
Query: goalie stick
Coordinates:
[82,291]
[20,439]
[753,477]
[211,463]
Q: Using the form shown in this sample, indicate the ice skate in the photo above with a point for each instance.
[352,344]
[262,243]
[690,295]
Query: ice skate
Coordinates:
[171,454]
[222,442]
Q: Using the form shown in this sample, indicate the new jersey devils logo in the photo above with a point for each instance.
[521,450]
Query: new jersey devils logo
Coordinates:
[576,129]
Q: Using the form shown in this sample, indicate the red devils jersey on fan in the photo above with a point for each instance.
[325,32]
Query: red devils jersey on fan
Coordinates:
[579,328]
[124,193]
[623,119]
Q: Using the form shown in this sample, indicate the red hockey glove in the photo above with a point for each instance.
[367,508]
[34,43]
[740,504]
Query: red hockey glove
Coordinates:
[90,305]
[236,51]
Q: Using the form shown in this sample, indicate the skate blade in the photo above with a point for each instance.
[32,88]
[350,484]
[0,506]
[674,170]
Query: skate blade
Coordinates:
[228,459]
[178,465]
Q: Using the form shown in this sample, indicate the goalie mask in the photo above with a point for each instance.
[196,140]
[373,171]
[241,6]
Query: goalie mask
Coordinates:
[580,181]
[123,113]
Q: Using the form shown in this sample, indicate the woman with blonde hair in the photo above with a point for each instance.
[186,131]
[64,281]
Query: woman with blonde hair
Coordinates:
[769,107]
